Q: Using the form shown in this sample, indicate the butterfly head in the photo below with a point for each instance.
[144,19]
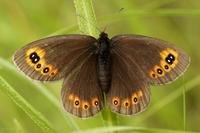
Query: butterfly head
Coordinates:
[103,35]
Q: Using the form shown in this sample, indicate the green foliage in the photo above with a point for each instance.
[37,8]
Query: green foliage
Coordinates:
[37,107]
[25,106]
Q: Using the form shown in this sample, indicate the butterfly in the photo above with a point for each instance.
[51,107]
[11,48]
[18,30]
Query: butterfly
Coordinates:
[120,70]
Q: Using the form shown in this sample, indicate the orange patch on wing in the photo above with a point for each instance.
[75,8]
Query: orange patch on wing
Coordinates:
[164,54]
[40,52]
[95,102]
[77,102]
[140,93]
[39,65]
[173,52]
[153,74]
[85,105]
[126,103]
[52,71]
[166,67]
[159,71]
[134,98]
[71,97]
[115,101]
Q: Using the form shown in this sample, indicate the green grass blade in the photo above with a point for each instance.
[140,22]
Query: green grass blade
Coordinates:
[18,127]
[44,91]
[36,116]
[171,97]
[131,129]
[86,17]
[184,107]
[88,25]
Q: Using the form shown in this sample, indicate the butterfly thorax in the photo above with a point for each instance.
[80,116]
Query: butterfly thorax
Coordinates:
[104,62]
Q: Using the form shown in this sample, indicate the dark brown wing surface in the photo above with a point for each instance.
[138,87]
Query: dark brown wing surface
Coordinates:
[129,93]
[159,61]
[81,94]
[54,57]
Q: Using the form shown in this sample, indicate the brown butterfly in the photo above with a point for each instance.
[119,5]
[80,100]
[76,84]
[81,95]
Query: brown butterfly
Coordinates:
[122,67]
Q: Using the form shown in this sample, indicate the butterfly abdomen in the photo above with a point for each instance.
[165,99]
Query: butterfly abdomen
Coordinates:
[104,62]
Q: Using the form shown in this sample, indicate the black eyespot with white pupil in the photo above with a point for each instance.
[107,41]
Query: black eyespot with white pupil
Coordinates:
[159,71]
[96,103]
[115,102]
[135,99]
[34,57]
[170,59]
[76,102]
[46,70]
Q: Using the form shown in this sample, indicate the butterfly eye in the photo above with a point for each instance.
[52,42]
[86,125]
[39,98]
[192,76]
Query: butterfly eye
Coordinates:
[116,101]
[85,105]
[127,103]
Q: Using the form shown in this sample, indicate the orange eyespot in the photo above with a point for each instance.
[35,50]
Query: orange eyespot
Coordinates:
[34,55]
[153,75]
[77,102]
[159,71]
[116,101]
[95,102]
[85,105]
[165,66]
[135,99]
[54,72]
[127,103]
[170,56]
[39,65]
[47,69]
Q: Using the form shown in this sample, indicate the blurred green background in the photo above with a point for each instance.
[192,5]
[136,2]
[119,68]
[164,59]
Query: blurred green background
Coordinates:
[173,107]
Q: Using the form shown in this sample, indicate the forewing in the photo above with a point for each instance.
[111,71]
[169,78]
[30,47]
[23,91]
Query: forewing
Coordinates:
[129,93]
[81,94]
[157,59]
[51,58]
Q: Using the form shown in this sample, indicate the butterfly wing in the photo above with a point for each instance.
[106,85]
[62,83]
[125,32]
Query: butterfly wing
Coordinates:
[51,58]
[158,60]
[129,93]
[81,94]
